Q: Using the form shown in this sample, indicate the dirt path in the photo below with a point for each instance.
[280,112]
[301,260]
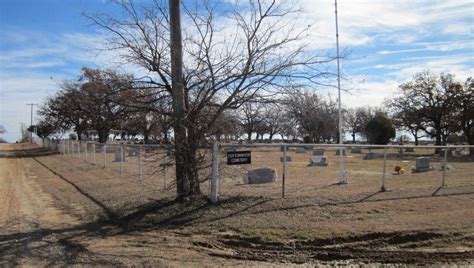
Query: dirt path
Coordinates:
[26,209]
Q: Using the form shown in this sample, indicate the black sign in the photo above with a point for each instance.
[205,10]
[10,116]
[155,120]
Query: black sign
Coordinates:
[239,158]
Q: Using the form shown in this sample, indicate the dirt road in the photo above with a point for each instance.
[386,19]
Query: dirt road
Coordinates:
[26,214]
[36,231]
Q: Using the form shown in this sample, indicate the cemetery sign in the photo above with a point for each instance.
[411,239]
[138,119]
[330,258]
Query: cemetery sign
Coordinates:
[239,158]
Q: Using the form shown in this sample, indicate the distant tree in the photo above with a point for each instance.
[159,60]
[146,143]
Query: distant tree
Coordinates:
[43,129]
[465,112]
[317,117]
[357,118]
[380,129]
[2,131]
[429,103]
[251,118]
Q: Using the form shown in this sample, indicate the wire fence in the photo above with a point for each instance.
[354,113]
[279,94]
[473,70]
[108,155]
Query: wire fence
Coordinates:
[292,170]
[314,170]
[144,162]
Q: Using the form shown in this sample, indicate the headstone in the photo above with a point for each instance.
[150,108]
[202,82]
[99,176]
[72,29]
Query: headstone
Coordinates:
[318,152]
[422,164]
[261,175]
[458,151]
[308,147]
[118,157]
[409,150]
[300,150]
[343,152]
[318,160]
[370,156]
[285,159]
[356,150]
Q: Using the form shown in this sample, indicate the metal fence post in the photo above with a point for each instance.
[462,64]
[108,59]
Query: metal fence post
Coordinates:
[215,173]
[93,147]
[104,149]
[87,160]
[121,160]
[284,172]
[383,189]
[444,166]
[140,176]
[165,170]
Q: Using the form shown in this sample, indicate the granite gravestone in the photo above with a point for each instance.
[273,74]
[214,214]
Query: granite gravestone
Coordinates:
[261,175]
[343,152]
[318,160]
[422,164]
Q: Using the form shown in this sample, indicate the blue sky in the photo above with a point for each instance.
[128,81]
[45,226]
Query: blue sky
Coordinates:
[43,42]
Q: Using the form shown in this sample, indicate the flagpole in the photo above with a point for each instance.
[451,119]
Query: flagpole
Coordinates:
[342,172]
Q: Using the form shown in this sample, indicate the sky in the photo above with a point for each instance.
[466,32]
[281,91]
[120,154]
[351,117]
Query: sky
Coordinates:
[43,42]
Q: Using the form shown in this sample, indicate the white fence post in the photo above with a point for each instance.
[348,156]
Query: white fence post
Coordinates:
[383,189]
[121,160]
[165,170]
[104,149]
[444,166]
[140,175]
[87,160]
[93,148]
[215,173]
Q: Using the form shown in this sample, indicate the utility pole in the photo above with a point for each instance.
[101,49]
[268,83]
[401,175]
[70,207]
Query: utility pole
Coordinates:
[176,44]
[342,172]
[31,120]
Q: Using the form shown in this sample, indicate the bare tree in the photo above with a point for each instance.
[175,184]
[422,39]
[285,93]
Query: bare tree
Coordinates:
[248,51]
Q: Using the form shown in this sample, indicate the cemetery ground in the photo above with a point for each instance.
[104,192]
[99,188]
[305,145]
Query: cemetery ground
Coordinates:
[58,209]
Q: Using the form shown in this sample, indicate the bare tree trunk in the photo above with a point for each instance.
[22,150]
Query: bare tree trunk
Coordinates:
[103,134]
